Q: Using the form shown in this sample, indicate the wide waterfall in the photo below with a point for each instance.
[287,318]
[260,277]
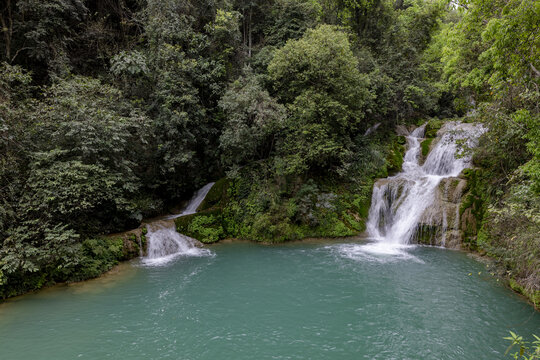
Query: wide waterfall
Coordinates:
[165,243]
[401,202]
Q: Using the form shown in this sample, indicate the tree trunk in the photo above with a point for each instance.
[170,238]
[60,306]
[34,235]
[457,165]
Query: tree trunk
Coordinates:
[249,40]
[7,28]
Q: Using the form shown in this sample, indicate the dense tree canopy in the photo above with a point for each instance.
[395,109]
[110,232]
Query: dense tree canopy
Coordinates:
[328,97]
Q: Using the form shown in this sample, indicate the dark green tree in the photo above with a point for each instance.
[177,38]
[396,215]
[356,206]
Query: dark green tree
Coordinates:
[317,77]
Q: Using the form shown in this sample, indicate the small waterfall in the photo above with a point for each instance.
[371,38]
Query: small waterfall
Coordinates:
[165,243]
[195,201]
[400,202]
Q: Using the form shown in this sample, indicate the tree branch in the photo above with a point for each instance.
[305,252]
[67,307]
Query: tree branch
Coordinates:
[536,72]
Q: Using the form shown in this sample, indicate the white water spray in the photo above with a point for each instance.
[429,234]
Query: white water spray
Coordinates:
[401,201]
[165,243]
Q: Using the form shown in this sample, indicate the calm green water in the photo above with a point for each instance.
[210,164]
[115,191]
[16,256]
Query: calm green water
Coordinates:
[297,301]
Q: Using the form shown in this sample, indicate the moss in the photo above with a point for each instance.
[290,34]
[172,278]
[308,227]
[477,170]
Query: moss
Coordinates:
[394,159]
[425,146]
[425,234]
[216,196]
[432,126]
[131,249]
[205,226]
[183,222]
[532,295]
[472,209]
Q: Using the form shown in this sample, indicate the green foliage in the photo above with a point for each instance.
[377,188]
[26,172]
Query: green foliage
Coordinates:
[527,350]
[202,227]
[225,34]
[76,173]
[14,133]
[186,77]
[99,256]
[532,123]
[205,226]
[394,159]
[289,19]
[129,64]
[305,73]
[217,195]
[44,30]
[319,61]
[253,118]
[505,224]
[14,83]
[491,52]
[88,141]
[258,205]
[425,146]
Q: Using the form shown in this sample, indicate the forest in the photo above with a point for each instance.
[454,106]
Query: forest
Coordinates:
[112,111]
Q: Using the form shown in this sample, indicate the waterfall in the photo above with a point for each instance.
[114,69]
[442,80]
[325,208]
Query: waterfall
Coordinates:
[193,204]
[400,202]
[165,243]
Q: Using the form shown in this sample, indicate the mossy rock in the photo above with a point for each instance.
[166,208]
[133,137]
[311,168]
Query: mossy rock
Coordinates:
[133,242]
[394,159]
[130,247]
[205,226]
[532,295]
[432,127]
[425,234]
[425,145]
[217,195]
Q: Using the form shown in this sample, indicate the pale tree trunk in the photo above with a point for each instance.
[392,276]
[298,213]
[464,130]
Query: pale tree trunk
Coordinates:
[249,40]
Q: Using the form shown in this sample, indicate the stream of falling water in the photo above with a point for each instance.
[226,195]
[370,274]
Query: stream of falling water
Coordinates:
[399,202]
[166,244]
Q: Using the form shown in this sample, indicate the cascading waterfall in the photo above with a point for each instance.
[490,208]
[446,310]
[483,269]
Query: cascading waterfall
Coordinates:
[165,243]
[400,202]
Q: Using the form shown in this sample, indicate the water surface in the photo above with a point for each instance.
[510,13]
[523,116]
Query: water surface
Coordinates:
[297,301]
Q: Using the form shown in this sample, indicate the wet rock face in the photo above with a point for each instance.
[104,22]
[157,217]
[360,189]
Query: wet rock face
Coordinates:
[440,224]
[452,189]
[404,130]
[421,204]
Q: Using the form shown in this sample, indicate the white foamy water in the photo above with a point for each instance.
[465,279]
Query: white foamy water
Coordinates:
[398,202]
[375,251]
[166,244]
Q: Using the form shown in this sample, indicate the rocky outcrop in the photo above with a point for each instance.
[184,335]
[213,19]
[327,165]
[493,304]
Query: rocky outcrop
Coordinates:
[133,242]
[440,224]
